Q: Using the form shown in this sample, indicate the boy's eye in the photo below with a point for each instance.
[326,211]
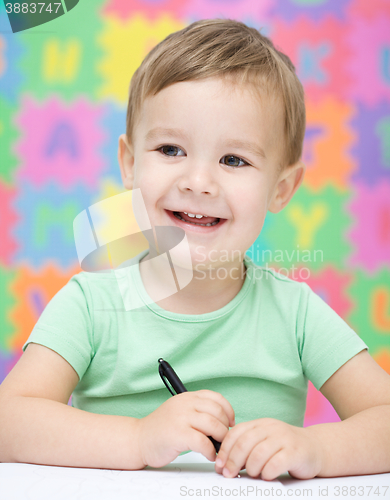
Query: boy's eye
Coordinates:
[234,161]
[169,150]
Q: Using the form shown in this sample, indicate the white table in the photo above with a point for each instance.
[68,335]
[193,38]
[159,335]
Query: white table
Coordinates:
[189,476]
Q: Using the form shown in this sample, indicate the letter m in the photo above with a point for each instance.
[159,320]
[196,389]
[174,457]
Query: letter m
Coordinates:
[61,62]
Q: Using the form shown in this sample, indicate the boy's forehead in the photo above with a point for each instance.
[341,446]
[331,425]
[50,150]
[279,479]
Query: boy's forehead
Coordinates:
[212,87]
[263,104]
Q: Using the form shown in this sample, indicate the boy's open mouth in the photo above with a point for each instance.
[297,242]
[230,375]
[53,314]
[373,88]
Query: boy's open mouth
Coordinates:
[199,224]
[203,221]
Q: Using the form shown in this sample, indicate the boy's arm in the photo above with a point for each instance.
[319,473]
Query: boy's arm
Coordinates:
[359,391]
[46,432]
[37,426]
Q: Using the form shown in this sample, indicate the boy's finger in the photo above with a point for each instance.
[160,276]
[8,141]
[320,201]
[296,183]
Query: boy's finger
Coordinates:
[207,405]
[240,451]
[209,426]
[200,443]
[216,396]
[230,439]
[261,460]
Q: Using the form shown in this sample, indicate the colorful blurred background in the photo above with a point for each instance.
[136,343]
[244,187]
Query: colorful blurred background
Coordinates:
[63,95]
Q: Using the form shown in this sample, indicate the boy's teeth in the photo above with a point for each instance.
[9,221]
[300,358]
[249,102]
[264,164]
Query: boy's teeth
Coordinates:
[195,215]
[177,215]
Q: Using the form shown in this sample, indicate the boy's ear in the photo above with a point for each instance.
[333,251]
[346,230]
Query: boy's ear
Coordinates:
[126,161]
[288,182]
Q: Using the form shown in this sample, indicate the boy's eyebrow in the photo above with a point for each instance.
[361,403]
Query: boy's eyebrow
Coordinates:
[233,143]
[168,132]
[249,146]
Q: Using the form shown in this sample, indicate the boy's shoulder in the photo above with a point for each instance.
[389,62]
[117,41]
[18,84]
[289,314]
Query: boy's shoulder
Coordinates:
[270,276]
[278,291]
[96,288]
[99,279]
[107,278]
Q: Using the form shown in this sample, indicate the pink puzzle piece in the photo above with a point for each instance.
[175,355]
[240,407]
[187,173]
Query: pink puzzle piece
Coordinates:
[59,141]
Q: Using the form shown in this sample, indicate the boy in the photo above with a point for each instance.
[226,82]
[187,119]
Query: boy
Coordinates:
[215,127]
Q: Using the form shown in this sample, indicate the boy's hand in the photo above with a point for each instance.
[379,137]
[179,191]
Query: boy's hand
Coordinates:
[183,423]
[270,447]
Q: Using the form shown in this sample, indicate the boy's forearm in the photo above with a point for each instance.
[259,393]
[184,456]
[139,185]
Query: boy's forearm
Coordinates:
[45,432]
[356,446]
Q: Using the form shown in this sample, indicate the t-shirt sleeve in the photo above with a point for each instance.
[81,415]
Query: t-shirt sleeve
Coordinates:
[327,341]
[65,325]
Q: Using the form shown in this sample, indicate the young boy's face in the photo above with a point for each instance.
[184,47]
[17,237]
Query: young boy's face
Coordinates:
[221,158]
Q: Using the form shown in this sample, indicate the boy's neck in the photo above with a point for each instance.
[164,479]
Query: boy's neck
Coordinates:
[200,296]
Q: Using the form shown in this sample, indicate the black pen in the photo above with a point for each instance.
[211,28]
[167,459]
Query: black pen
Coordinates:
[167,372]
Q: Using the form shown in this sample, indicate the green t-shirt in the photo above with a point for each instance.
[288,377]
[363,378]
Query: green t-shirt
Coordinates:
[258,351]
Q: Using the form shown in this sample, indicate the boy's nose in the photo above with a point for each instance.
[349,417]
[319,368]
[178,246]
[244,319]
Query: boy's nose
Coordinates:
[199,181]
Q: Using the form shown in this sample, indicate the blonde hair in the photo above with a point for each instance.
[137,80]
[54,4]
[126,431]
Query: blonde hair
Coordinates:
[223,48]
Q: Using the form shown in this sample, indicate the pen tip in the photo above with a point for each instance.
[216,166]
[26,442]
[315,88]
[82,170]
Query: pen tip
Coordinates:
[160,359]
